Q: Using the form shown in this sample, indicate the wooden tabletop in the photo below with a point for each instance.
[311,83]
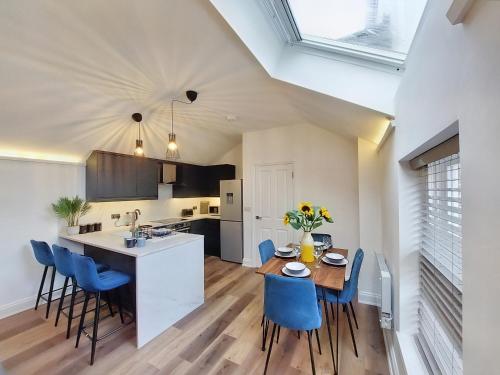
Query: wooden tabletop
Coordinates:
[331,277]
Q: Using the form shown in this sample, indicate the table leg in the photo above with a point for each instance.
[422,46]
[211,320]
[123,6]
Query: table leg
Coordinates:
[337,324]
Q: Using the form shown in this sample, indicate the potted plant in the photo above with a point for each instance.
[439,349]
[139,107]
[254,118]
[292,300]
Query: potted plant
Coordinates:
[71,210]
[307,218]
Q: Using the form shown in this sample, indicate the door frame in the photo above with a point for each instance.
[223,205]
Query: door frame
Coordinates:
[255,253]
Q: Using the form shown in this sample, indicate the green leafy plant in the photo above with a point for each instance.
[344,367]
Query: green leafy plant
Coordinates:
[71,209]
[307,217]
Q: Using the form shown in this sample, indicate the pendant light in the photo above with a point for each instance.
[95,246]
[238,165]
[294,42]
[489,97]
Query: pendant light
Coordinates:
[172,147]
[139,151]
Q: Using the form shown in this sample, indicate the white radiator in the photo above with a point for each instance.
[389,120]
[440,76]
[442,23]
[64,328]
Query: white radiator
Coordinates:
[385,303]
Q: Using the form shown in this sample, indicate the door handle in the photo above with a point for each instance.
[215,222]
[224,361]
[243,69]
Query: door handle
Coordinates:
[258,217]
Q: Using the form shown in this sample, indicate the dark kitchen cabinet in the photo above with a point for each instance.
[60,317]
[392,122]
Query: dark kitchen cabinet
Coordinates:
[117,177]
[201,181]
[210,228]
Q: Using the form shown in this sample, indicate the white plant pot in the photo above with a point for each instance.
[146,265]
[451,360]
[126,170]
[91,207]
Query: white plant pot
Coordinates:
[73,230]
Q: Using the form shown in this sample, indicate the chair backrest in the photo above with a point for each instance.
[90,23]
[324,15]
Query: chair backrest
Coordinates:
[266,250]
[351,286]
[85,272]
[42,252]
[322,237]
[63,260]
[291,302]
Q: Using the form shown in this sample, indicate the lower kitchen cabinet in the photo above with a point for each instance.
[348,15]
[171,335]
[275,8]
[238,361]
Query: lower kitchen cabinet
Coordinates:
[210,228]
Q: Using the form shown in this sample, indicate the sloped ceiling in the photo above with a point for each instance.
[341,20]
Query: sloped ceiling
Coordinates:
[72,73]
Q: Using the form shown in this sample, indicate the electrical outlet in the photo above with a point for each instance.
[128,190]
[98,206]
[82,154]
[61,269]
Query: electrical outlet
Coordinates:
[115,216]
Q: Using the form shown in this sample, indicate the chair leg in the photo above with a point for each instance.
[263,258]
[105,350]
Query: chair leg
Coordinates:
[82,318]
[120,308]
[298,335]
[71,306]
[61,300]
[49,300]
[270,348]
[311,352]
[325,305]
[331,308]
[265,328]
[352,332]
[108,301]
[262,321]
[354,315]
[96,326]
[317,339]
[40,290]
[278,336]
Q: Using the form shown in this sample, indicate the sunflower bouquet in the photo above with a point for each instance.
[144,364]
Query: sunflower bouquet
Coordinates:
[307,217]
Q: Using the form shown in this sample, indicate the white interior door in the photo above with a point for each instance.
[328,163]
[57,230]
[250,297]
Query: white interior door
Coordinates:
[273,197]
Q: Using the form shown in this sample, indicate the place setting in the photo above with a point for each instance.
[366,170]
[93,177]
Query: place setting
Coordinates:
[285,252]
[296,269]
[335,259]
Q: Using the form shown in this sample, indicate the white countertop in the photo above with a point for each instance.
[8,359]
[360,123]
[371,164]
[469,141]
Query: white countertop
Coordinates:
[112,240]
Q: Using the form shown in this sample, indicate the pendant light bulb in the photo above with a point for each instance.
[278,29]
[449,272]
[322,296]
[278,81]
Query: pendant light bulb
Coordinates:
[172,148]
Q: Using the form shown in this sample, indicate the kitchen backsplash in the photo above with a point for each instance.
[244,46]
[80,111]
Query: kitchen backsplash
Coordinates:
[164,207]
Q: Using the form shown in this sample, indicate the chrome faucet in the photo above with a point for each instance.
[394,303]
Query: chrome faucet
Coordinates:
[135,216]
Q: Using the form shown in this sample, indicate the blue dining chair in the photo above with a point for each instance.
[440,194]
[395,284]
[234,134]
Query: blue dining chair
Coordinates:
[64,266]
[95,283]
[347,294]
[45,257]
[266,251]
[292,303]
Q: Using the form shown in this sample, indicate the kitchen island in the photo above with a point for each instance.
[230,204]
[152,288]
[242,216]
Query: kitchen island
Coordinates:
[168,275]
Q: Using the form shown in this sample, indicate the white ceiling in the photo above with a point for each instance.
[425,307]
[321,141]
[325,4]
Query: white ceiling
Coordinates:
[72,73]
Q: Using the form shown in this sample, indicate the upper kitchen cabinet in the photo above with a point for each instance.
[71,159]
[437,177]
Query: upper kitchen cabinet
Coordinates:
[117,177]
[216,173]
[201,181]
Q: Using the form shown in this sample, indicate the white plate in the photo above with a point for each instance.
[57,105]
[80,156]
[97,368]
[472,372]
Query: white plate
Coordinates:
[283,255]
[319,244]
[284,250]
[304,273]
[334,257]
[342,263]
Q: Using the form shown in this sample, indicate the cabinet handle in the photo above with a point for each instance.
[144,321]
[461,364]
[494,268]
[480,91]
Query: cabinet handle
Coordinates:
[258,217]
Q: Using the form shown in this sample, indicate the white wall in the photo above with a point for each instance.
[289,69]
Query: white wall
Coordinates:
[370,225]
[325,167]
[235,157]
[26,192]
[453,73]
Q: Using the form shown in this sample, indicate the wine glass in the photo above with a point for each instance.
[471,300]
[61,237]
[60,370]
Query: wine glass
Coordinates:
[318,250]
[297,252]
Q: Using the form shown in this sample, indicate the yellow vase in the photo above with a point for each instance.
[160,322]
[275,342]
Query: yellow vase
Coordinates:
[307,248]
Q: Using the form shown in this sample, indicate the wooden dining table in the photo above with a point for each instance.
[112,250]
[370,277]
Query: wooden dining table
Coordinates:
[325,276]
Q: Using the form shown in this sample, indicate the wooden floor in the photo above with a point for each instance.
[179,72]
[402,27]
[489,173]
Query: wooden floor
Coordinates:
[221,337]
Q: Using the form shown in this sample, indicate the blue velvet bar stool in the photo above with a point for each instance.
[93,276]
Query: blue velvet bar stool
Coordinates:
[45,257]
[266,251]
[347,294]
[95,283]
[64,266]
[292,303]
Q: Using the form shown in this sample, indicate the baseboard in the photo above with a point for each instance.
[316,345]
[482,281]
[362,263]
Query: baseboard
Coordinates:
[368,298]
[394,356]
[24,304]
[248,262]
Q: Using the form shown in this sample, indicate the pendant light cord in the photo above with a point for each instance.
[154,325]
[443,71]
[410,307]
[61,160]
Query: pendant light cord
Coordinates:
[172,110]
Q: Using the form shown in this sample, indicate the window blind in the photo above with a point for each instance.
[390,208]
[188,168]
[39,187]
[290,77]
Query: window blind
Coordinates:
[440,304]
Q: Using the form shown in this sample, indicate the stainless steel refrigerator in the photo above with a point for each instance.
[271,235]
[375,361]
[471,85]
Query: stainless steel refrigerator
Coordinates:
[231,220]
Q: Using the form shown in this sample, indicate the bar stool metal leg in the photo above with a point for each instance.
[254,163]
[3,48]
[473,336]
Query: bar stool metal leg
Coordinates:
[49,300]
[71,306]
[82,318]
[96,325]
[61,300]
[120,308]
[40,290]
[108,300]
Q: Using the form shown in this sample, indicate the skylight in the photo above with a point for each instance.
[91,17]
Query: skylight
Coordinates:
[380,30]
